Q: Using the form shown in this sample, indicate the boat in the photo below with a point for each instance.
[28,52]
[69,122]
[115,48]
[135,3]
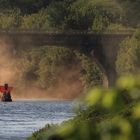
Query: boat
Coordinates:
[6,93]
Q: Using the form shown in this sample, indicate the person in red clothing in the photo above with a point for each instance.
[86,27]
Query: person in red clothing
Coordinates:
[6,91]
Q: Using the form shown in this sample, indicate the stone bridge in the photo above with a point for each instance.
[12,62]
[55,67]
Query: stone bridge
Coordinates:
[103,47]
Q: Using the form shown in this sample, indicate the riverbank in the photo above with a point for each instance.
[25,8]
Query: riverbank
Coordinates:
[72,127]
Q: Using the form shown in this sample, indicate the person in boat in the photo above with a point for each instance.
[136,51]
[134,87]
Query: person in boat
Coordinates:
[6,91]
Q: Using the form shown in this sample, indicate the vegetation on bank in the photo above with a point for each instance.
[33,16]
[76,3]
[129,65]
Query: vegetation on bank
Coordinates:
[97,15]
[129,55]
[111,114]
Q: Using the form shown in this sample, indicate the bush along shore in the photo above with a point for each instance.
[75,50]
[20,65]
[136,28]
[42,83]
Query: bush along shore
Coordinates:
[110,114]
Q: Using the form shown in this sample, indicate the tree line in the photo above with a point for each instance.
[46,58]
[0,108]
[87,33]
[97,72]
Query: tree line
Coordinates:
[69,14]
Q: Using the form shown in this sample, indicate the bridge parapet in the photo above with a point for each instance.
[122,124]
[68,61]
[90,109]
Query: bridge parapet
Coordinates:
[68,32]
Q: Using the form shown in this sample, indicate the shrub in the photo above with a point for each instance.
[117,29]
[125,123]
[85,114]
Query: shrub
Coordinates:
[10,20]
[37,21]
[128,56]
[46,65]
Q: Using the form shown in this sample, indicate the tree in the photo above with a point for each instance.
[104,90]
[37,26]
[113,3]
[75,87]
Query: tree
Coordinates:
[128,56]
[26,6]
[83,14]
[58,12]
[36,21]
[45,66]
[131,12]
[10,19]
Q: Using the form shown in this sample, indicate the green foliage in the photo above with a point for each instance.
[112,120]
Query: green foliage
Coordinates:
[91,74]
[128,56]
[70,14]
[10,20]
[80,16]
[37,21]
[58,12]
[137,34]
[26,6]
[100,23]
[117,27]
[84,14]
[131,12]
[54,61]
[107,117]
[44,66]
[94,14]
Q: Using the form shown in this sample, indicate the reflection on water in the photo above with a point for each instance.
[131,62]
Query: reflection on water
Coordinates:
[19,119]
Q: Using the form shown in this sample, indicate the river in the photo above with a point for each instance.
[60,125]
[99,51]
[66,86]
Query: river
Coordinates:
[19,119]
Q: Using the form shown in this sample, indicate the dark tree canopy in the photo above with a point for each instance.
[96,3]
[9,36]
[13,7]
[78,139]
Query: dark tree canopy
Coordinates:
[75,14]
[26,6]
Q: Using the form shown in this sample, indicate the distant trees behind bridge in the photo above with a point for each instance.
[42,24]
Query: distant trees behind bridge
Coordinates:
[59,71]
[47,15]
[128,57]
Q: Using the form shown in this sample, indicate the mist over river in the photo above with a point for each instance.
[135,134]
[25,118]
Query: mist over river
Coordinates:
[19,119]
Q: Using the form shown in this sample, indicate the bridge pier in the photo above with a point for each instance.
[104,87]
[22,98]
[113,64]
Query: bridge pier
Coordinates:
[109,77]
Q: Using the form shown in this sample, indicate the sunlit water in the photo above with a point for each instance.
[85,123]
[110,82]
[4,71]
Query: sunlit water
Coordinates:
[19,119]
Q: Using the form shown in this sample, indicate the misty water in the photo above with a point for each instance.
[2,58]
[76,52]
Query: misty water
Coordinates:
[20,118]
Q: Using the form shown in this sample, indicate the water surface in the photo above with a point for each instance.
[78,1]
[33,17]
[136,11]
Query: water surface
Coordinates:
[20,118]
